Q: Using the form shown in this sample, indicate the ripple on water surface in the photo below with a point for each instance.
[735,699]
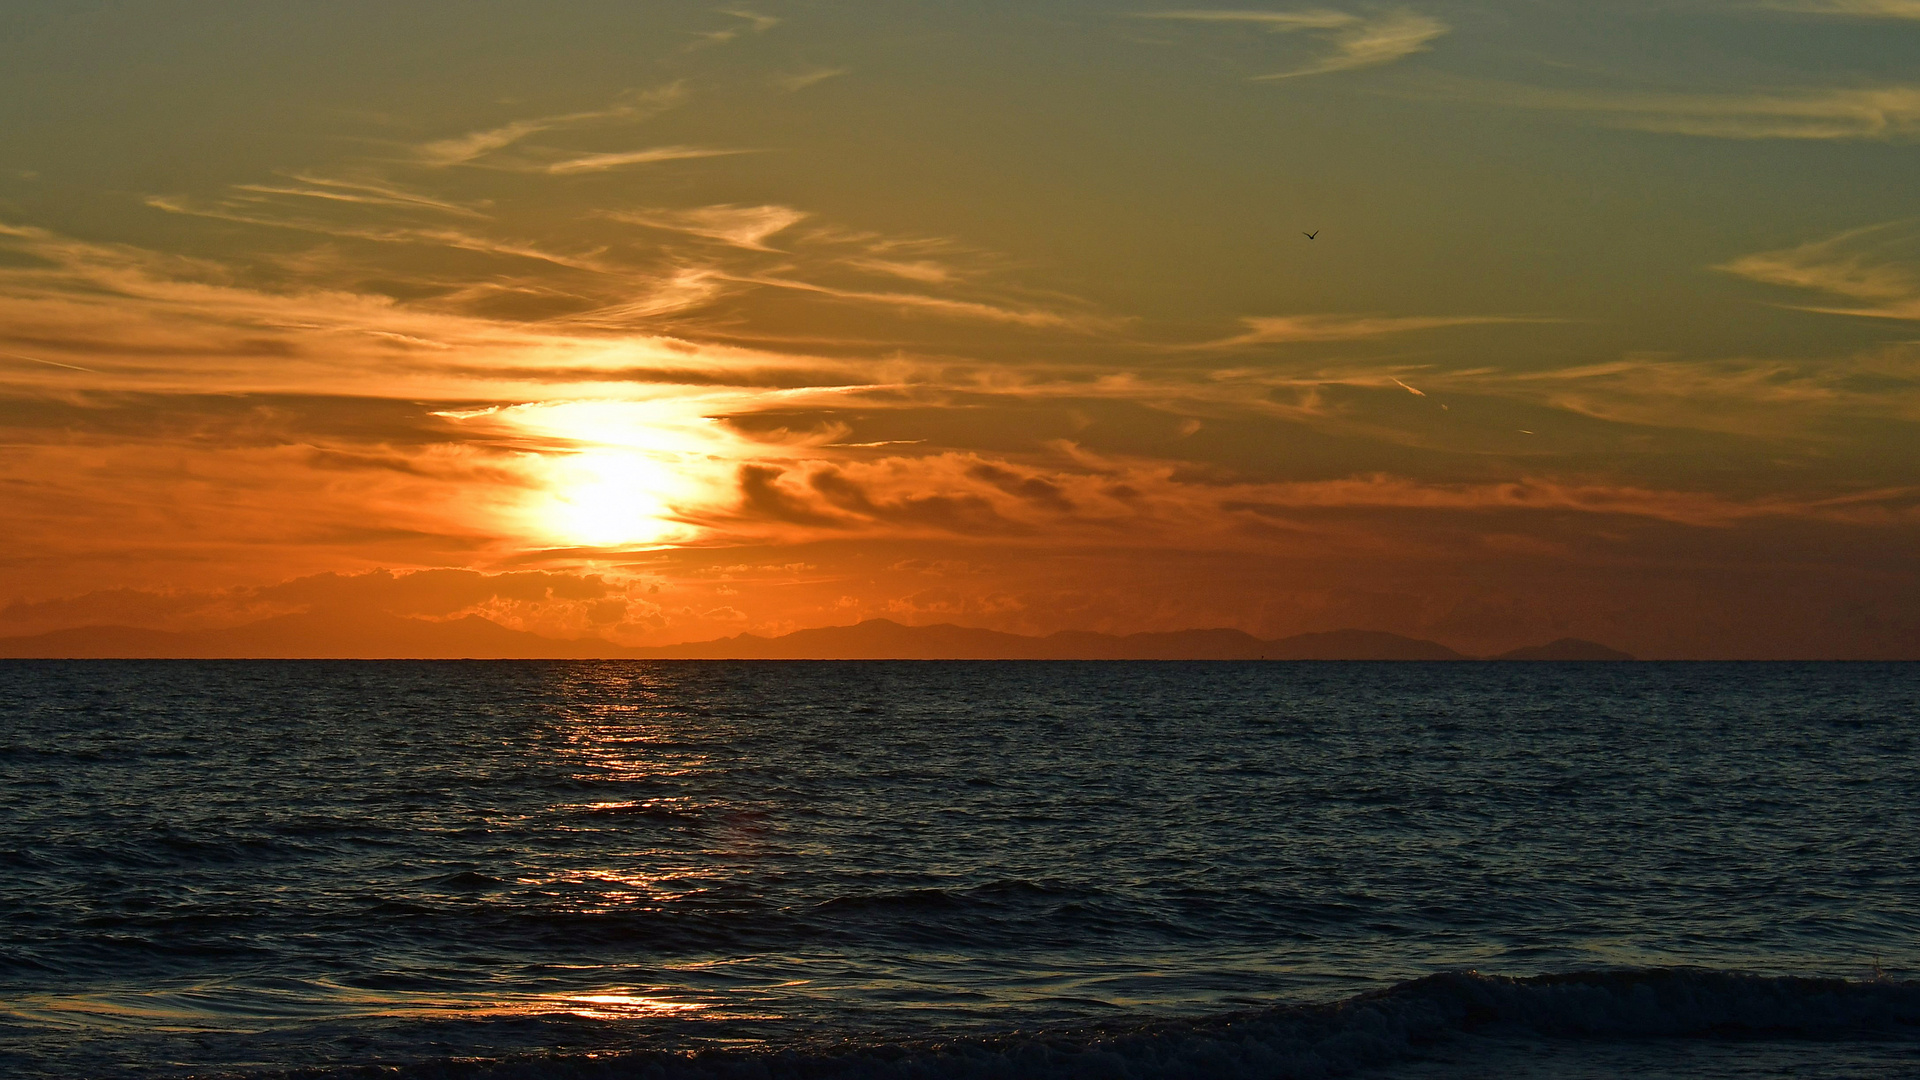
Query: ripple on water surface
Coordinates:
[254,865]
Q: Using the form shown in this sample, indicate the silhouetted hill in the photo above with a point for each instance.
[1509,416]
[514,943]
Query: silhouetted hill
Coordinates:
[1162,645]
[93,642]
[324,635]
[1358,645]
[875,639]
[884,639]
[1565,649]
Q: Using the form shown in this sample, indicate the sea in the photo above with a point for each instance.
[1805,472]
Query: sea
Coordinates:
[702,869]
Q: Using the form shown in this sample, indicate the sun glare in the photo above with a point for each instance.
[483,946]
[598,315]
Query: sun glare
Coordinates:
[610,498]
[624,473]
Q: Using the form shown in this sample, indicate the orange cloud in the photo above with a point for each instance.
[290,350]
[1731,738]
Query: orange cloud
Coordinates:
[1284,329]
[413,363]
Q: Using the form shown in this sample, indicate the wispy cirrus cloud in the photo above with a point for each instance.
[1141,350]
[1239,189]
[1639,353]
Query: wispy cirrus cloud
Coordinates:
[1371,42]
[1547,494]
[464,148]
[974,310]
[363,192]
[1353,40]
[929,271]
[1283,329]
[1875,113]
[444,238]
[800,80]
[1274,21]
[1869,9]
[633,108]
[756,24]
[739,226]
[1774,400]
[1874,270]
[602,162]
[635,285]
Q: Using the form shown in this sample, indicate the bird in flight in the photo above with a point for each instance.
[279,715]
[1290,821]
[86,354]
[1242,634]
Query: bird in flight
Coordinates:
[1311,235]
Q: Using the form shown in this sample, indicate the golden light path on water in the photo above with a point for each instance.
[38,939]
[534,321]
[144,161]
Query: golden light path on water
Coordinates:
[223,1008]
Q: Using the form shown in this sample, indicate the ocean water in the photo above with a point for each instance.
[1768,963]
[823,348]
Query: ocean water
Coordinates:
[872,869]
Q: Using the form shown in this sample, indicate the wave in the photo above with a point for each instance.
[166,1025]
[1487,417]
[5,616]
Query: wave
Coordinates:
[995,895]
[1289,1041]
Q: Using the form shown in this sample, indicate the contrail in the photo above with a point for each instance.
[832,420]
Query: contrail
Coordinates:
[49,363]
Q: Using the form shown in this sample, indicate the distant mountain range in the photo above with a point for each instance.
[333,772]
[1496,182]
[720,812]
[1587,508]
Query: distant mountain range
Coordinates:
[335,636]
[1567,648]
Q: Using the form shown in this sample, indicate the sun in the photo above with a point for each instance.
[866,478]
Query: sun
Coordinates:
[611,498]
[647,472]
[622,473]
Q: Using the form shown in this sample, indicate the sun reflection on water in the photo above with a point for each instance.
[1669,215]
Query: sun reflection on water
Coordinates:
[626,1006]
[247,1007]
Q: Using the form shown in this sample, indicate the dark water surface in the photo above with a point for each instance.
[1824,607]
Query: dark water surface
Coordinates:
[960,869]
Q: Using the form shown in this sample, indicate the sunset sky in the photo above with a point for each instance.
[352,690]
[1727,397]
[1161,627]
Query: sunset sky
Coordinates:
[665,321]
